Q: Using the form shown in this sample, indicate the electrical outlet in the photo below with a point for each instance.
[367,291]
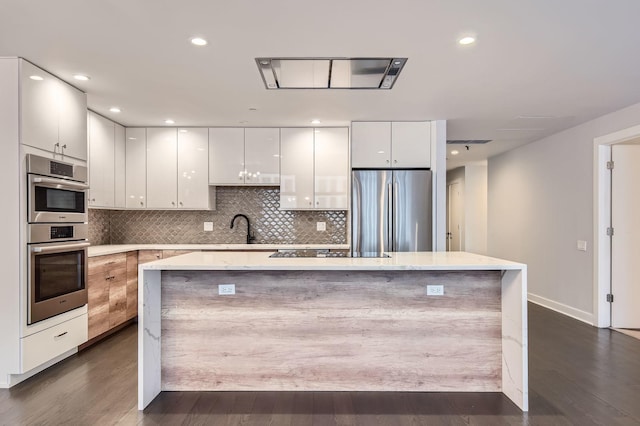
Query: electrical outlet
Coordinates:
[208,226]
[321,226]
[582,245]
[226,289]
[435,290]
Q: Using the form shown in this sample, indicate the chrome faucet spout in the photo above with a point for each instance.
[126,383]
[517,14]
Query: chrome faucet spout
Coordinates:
[250,237]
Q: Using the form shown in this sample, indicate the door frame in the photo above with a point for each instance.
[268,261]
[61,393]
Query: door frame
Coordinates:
[602,220]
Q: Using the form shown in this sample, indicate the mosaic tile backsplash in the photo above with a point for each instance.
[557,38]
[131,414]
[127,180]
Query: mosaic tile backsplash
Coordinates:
[268,224]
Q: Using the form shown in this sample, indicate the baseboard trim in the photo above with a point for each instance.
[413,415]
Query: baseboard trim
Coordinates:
[569,311]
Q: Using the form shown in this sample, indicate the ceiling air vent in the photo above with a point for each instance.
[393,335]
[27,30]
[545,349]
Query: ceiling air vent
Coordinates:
[468,141]
[330,73]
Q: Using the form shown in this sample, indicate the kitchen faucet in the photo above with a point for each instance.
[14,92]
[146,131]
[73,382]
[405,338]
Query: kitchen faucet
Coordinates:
[250,237]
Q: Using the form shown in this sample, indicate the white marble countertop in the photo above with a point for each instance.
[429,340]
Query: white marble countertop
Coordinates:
[398,261]
[122,248]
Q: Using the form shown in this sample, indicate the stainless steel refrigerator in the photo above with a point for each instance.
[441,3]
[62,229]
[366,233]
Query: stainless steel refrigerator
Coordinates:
[391,211]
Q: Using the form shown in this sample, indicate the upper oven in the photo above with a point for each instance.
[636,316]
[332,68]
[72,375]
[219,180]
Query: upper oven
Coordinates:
[56,191]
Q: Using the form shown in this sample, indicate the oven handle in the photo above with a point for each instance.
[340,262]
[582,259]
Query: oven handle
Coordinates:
[59,247]
[61,182]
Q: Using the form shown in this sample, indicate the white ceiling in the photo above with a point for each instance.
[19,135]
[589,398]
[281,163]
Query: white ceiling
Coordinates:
[572,60]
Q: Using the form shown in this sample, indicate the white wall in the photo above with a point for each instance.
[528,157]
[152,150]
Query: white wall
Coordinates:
[540,202]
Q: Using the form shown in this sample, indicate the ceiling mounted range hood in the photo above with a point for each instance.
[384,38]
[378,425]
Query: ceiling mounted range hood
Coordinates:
[330,73]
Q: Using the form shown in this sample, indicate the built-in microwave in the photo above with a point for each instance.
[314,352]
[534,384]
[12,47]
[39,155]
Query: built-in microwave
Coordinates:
[57,269]
[56,191]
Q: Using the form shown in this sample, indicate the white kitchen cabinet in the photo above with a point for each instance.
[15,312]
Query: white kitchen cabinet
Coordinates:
[411,144]
[262,156]
[53,113]
[119,190]
[314,167]
[226,156]
[101,161]
[398,144]
[296,168]
[371,144]
[241,157]
[331,168]
[162,168]
[193,163]
[136,168]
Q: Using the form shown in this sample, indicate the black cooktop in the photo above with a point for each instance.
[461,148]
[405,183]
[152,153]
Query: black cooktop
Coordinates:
[325,253]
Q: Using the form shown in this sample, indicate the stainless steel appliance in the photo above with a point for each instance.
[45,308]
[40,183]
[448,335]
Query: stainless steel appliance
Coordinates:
[56,191]
[391,210]
[57,269]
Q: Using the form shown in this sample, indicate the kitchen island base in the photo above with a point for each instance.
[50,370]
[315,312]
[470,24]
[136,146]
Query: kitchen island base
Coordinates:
[332,330]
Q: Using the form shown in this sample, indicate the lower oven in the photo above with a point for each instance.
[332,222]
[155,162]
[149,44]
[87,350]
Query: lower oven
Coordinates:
[57,269]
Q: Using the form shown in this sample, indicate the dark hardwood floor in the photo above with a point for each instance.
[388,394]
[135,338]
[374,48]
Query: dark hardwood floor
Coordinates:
[578,375]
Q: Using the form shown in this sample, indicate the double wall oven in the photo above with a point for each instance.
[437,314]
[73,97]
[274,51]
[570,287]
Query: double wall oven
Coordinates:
[56,237]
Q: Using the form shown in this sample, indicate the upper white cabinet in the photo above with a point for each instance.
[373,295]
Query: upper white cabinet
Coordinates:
[240,156]
[314,166]
[296,168]
[331,167]
[162,168]
[53,113]
[101,161]
[136,168]
[120,167]
[262,156]
[226,156]
[401,144]
[193,162]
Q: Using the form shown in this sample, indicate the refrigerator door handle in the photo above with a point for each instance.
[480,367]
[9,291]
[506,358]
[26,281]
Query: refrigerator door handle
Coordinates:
[396,212]
[390,204]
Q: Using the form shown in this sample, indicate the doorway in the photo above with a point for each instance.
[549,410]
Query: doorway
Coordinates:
[454,217]
[616,209]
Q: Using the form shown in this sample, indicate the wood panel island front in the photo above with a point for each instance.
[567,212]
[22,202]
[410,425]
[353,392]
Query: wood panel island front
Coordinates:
[423,322]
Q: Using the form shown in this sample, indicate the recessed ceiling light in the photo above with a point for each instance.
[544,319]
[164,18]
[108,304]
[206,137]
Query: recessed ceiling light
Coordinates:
[315,121]
[36,78]
[455,152]
[81,77]
[467,40]
[114,109]
[169,121]
[199,41]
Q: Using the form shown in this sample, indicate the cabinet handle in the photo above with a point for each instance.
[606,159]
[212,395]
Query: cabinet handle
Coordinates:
[173,203]
[181,203]
[317,203]
[141,203]
[64,146]
[387,161]
[60,335]
[395,161]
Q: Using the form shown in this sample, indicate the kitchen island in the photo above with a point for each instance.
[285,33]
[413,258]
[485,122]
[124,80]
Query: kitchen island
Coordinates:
[429,321]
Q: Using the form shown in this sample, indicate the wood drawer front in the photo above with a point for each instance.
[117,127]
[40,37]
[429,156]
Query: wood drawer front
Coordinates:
[145,256]
[41,347]
[132,284]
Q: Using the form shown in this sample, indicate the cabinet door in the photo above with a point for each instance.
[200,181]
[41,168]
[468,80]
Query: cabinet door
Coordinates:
[119,167]
[296,168]
[371,144]
[39,108]
[162,168]
[411,144]
[72,122]
[226,156]
[101,156]
[98,296]
[145,256]
[132,284]
[331,168]
[136,168]
[262,156]
[193,164]
[117,270]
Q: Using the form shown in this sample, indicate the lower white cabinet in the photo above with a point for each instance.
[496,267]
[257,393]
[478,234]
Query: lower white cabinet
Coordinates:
[47,344]
[314,167]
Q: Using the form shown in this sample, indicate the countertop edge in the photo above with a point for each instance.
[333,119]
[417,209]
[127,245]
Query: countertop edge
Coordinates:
[102,250]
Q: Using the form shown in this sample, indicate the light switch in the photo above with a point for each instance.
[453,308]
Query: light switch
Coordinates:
[208,226]
[582,245]
[321,226]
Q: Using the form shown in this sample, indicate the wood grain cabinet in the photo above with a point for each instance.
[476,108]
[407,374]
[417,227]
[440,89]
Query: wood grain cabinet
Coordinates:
[112,291]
